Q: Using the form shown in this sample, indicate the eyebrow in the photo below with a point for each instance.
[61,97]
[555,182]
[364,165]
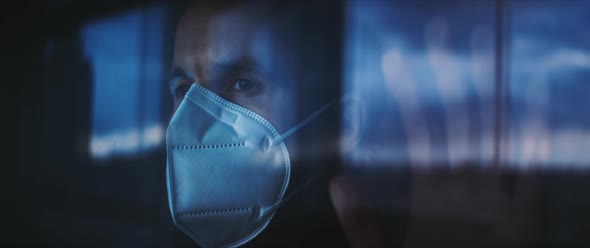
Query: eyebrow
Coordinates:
[244,64]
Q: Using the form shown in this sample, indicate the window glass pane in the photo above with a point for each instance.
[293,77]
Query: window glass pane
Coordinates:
[126,54]
[548,84]
[425,72]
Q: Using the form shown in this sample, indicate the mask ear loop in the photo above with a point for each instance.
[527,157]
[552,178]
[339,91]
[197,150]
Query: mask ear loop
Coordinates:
[264,211]
[309,118]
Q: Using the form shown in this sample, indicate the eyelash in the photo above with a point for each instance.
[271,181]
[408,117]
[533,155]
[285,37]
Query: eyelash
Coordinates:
[257,86]
[183,85]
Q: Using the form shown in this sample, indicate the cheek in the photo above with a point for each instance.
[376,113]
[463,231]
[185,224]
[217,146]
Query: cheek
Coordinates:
[268,106]
[281,108]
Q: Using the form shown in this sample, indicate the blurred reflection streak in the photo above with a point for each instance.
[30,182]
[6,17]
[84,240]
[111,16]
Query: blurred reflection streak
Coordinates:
[126,142]
[570,147]
[451,83]
[482,73]
[126,54]
[353,119]
[404,90]
[452,73]
[536,139]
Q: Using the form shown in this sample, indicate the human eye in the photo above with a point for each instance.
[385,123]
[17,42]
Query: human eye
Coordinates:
[179,82]
[245,86]
[179,87]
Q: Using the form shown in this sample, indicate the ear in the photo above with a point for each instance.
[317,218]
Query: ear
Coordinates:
[352,122]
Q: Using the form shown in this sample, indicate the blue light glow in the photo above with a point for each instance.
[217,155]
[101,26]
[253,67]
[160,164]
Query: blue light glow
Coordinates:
[428,73]
[126,53]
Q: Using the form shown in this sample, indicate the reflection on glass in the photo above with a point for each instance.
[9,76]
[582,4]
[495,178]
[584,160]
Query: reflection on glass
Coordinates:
[126,55]
[549,91]
[427,74]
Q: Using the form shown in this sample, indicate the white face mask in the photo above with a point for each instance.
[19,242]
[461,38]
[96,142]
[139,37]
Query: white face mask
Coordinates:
[228,169]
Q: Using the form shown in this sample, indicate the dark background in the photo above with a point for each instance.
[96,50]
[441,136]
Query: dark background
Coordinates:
[57,196]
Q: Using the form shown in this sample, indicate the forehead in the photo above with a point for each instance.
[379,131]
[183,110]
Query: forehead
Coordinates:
[224,35]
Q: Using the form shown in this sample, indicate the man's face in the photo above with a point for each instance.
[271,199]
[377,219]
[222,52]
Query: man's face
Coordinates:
[233,52]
